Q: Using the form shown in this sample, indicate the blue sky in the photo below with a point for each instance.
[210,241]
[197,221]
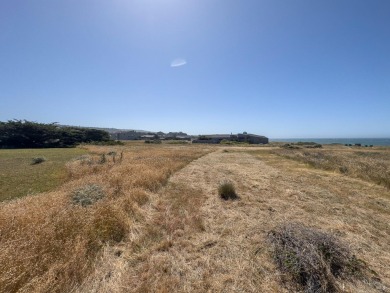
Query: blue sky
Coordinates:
[291,68]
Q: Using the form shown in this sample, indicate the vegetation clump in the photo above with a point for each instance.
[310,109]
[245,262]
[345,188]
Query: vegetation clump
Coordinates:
[289,146]
[301,144]
[105,143]
[84,159]
[28,134]
[87,195]
[38,160]
[312,260]
[226,191]
[157,141]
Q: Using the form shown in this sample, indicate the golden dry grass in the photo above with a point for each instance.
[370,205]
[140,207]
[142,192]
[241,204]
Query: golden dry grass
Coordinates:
[162,226]
[228,250]
[368,164]
[50,244]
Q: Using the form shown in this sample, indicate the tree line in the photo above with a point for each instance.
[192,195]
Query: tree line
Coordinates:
[28,134]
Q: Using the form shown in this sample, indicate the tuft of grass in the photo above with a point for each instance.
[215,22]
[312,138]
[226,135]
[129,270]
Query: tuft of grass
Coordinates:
[108,226]
[87,195]
[312,260]
[38,160]
[226,191]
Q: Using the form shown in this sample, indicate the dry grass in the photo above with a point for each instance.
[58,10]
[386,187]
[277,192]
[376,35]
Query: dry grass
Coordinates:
[370,165]
[229,250]
[156,223]
[50,244]
[312,260]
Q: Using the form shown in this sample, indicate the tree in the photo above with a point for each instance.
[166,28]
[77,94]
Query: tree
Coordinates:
[28,134]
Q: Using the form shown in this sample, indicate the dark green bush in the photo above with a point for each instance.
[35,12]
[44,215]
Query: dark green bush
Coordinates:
[227,191]
[38,160]
[157,141]
[28,134]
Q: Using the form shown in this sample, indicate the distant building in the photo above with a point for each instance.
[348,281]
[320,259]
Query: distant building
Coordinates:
[149,136]
[252,138]
[143,135]
[126,135]
[241,137]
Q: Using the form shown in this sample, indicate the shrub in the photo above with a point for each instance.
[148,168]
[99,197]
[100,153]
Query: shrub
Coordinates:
[312,260]
[38,160]
[87,195]
[227,191]
[314,146]
[84,159]
[289,146]
[177,141]
[153,141]
[343,169]
[28,134]
[305,143]
[225,141]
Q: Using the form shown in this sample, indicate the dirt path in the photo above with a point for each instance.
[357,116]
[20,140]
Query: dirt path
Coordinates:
[232,255]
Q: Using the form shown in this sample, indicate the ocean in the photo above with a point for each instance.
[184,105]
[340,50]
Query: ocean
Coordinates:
[362,141]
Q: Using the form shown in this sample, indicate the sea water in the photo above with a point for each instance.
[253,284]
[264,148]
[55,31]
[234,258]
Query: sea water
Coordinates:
[362,141]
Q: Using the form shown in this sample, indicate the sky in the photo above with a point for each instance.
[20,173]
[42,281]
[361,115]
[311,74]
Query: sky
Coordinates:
[279,68]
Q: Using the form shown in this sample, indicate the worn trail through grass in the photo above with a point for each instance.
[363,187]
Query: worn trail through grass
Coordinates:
[230,253]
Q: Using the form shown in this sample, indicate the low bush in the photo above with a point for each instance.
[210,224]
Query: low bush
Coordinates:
[343,169]
[226,191]
[300,144]
[312,260]
[38,160]
[289,146]
[177,141]
[84,159]
[157,141]
[87,195]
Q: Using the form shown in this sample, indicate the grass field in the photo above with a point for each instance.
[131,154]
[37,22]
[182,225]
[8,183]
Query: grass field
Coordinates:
[150,218]
[18,177]
[371,165]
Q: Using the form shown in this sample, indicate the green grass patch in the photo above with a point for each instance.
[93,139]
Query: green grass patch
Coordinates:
[18,177]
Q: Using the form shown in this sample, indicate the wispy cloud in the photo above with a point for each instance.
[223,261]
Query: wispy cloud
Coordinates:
[178,62]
